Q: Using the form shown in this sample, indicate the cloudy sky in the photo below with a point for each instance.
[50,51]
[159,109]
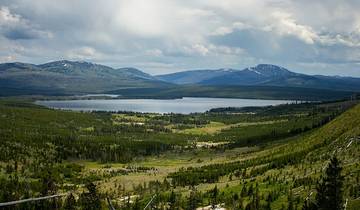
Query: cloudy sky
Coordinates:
[161,36]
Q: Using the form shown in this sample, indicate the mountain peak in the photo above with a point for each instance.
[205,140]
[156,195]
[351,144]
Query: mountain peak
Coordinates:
[67,63]
[271,70]
[270,67]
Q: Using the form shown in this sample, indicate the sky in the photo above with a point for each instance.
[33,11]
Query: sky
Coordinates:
[163,36]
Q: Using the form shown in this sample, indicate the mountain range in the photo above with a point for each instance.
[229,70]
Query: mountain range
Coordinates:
[261,75]
[68,77]
[75,77]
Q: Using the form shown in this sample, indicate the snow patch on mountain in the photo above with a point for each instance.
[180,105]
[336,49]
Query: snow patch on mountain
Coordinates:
[254,70]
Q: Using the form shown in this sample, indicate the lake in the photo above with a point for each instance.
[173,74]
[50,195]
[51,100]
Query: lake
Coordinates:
[184,105]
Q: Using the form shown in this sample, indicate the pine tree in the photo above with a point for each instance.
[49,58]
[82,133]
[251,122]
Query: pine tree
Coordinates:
[308,206]
[243,191]
[136,205]
[90,199]
[290,201]
[331,192]
[268,205]
[172,200]
[256,197]
[269,199]
[329,189]
[194,199]
[235,198]
[214,195]
[70,202]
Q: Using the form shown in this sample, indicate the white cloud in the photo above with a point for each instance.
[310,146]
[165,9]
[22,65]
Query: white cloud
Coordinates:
[13,26]
[6,18]
[183,33]
[83,53]
[223,30]
[212,50]
[198,48]
[154,52]
[162,18]
[7,58]
[285,24]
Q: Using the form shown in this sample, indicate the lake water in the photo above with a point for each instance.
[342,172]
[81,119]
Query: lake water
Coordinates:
[184,105]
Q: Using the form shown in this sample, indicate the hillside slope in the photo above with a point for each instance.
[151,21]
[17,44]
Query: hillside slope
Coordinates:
[67,77]
[294,164]
[193,76]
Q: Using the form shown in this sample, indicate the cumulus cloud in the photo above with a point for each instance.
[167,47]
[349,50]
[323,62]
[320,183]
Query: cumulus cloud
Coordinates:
[13,26]
[82,53]
[154,52]
[285,24]
[223,30]
[161,35]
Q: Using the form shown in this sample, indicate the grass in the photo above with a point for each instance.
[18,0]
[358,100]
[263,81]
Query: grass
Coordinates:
[216,127]
[121,118]
[211,128]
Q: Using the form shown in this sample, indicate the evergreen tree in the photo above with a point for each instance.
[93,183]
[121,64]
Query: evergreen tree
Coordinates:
[269,199]
[235,199]
[70,202]
[257,197]
[243,191]
[268,205]
[214,195]
[308,206]
[329,189]
[330,195]
[136,205]
[90,199]
[290,201]
[194,199]
[172,200]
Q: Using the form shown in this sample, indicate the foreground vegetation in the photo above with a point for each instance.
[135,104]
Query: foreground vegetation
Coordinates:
[249,158]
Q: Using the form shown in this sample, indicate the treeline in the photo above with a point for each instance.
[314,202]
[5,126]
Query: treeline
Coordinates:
[86,148]
[265,134]
[106,150]
[212,173]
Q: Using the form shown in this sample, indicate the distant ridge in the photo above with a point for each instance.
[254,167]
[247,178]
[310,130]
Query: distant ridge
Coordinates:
[262,75]
[78,77]
[70,77]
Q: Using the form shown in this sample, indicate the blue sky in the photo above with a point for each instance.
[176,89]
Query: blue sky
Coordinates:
[163,36]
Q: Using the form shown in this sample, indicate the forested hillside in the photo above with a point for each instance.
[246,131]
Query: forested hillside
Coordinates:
[247,158]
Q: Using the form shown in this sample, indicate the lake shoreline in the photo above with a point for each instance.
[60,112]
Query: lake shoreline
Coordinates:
[184,105]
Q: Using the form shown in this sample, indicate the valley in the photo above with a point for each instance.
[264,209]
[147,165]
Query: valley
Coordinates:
[239,158]
[179,105]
